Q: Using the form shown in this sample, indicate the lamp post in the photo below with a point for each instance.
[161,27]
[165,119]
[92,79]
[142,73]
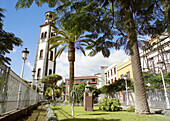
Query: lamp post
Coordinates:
[160,65]
[127,100]
[24,57]
[33,77]
[36,87]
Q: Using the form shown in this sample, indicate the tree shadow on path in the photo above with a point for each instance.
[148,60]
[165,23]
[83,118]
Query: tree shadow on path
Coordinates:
[89,119]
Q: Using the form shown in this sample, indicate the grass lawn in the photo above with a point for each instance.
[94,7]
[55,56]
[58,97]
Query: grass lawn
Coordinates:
[63,113]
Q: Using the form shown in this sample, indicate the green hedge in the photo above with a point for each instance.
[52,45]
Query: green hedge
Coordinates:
[131,109]
[109,104]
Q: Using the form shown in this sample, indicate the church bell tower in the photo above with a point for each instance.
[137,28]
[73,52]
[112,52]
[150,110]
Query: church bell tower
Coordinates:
[44,61]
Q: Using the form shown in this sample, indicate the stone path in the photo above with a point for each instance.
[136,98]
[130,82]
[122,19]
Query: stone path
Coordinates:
[37,115]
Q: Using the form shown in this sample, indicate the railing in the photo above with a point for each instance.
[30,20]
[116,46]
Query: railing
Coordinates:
[9,87]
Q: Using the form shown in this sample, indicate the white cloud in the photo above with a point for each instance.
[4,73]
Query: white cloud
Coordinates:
[14,50]
[29,65]
[86,65]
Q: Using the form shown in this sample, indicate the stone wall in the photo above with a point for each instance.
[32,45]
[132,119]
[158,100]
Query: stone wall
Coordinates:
[156,98]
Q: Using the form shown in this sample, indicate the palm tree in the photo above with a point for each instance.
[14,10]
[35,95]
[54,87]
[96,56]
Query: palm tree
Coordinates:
[51,81]
[67,38]
[166,8]
[74,97]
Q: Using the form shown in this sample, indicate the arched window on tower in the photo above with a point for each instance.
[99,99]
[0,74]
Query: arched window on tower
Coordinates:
[52,34]
[42,35]
[39,72]
[50,71]
[51,55]
[45,35]
[41,54]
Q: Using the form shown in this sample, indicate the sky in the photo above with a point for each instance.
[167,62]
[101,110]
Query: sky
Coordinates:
[24,23]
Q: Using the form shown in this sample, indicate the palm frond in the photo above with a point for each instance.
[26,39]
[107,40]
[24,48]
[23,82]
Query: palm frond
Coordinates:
[59,52]
[82,50]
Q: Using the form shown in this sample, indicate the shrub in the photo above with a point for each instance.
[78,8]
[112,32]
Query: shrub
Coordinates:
[131,109]
[109,105]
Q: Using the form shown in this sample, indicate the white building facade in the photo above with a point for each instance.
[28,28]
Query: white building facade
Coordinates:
[44,62]
[159,51]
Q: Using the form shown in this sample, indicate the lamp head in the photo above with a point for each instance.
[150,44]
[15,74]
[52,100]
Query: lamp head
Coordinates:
[125,77]
[25,54]
[160,64]
[33,72]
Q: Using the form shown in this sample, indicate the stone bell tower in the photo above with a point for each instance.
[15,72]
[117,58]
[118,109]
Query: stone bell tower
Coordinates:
[44,62]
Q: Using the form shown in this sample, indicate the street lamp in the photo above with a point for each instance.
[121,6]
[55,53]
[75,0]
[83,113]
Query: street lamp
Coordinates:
[160,65]
[33,77]
[37,87]
[24,57]
[127,100]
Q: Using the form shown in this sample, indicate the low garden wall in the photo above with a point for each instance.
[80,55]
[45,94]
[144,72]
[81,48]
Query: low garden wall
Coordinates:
[155,98]
[9,89]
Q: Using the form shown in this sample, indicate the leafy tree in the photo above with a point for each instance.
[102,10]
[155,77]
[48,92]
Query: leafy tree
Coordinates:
[48,93]
[96,92]
[116,86]
[62,87]
[51,81]
[7,41]
[34,88]
[129,21]
[154,81]
[81,88]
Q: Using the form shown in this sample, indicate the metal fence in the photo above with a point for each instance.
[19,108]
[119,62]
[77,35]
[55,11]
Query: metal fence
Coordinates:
[9,90]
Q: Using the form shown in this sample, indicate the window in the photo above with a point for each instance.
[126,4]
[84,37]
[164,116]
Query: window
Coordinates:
[108,74]
[42,35]
[45,35]
[50,16]
[39,72]
[41,54]
[115,78]
[151,63]
[93,80]
[111,72]
[52,34]
[121,76]
[114,70]
[51,55]
[128,74]
[166,57]
[50,71]
[111,81]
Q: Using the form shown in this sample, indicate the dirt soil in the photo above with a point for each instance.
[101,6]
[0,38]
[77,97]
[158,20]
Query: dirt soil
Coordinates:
[37,115]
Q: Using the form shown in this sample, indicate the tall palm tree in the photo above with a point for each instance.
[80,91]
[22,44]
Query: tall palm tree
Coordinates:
[51,81]
[67,38]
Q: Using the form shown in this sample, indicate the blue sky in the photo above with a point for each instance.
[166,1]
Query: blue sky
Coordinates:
[24,23]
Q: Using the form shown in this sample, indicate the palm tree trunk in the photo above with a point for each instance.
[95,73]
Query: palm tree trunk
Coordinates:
[72,105]
[166,8]
[141,104]
[52,94]
[71,58]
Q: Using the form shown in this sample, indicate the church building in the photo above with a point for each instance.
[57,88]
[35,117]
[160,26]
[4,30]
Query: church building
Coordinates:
[44,61]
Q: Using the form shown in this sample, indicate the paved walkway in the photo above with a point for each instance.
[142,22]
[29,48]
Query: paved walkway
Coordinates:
[37,115]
